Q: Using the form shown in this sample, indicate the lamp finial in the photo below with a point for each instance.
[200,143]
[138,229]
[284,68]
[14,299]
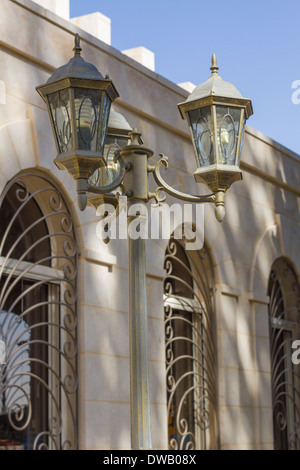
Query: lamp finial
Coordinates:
[214,68]
[135,136]
[77,49]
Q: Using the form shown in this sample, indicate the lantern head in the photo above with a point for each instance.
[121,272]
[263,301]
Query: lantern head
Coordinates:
[216,113]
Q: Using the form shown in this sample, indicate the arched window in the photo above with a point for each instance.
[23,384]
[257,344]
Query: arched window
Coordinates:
[37,316]
[190,349]
[284,315]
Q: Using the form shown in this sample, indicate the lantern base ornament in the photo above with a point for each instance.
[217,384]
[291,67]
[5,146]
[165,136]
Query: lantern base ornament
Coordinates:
[220,206]
[79,164]
[218,177]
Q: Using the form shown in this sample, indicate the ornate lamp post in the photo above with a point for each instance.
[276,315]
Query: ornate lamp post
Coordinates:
[78,100]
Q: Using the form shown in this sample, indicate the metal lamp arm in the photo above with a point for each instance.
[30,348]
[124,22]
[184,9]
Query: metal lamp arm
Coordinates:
[163,185]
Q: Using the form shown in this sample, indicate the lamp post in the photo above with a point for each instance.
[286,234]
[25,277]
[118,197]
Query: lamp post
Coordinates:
[78,100]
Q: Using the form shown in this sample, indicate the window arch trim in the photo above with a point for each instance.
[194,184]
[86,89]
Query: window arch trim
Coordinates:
[44,363]
[190,349]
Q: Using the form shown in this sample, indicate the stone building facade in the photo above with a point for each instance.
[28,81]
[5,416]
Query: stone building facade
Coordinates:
[234,304]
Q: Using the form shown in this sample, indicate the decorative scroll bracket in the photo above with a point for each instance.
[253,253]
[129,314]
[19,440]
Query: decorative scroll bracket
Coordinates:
[163,185]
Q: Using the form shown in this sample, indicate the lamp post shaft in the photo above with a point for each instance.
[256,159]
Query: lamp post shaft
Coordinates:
[136,182]
[138,328]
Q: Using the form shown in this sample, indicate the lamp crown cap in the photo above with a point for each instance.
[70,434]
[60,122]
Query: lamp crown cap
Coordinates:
[214,86]
[77,67]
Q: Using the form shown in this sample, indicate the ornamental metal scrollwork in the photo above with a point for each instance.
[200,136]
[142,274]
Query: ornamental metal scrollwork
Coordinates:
[38,272]
[284,317]
[190,350]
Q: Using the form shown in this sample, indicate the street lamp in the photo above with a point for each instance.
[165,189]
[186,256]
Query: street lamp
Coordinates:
[216,114]
[78,100]
[108,159]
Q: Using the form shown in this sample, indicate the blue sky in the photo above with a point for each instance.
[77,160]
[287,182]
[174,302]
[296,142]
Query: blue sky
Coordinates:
[257,43]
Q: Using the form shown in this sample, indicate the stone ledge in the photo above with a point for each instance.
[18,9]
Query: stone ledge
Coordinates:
[99,257]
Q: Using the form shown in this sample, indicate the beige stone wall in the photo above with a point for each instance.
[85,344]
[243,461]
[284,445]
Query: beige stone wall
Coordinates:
[59,7]
[261,224]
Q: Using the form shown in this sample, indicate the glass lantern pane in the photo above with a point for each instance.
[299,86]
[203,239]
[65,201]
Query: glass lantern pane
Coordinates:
[105,110]
[202,130]
[241,142]
[106,175]
[228,122]
[87,114]
[112,144]
[59,103]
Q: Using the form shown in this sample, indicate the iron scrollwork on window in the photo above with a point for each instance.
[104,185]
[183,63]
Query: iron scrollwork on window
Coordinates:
[284,316]
[38,273]
[190,350]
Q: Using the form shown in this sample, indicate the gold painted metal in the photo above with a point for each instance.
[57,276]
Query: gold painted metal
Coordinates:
[138,330]
[132,181]
[98,195]
[214,93]
[96,200]
[78,74]
[164,186]
[136,157]
[218,177]
[220,206]
[99,190]
[118,181]
[239,142]
[68,82]
[79,164]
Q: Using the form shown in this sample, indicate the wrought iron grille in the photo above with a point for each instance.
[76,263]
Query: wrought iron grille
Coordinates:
[284,315]
[190,349]
[38,272]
